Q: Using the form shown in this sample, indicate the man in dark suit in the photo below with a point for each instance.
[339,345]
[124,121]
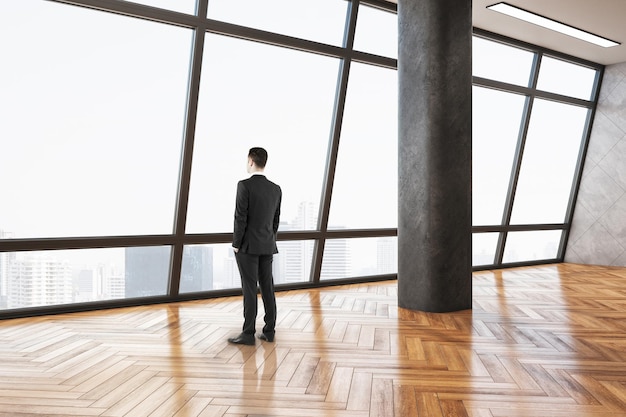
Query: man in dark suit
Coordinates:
[257,213]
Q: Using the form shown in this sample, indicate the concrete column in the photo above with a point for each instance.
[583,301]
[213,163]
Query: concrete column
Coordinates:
[435,155]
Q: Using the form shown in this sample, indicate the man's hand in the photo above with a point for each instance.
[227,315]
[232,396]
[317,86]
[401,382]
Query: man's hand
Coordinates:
[235,249]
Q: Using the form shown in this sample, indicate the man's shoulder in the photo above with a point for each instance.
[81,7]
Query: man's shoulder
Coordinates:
[275,186]
[273,183]
[261,178]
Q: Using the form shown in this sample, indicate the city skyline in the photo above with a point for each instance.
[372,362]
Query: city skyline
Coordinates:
[102,274]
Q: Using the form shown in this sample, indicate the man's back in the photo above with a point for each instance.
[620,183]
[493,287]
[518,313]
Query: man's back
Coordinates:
[257,214]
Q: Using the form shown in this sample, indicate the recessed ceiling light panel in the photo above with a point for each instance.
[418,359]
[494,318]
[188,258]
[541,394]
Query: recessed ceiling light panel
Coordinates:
[547,23]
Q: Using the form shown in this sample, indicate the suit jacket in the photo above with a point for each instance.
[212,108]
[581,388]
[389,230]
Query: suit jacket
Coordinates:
[257,213]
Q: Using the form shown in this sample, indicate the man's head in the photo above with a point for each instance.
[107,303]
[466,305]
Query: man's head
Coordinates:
[257,158]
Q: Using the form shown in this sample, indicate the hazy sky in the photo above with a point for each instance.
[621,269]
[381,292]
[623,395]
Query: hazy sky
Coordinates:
[92,117]
[96,119]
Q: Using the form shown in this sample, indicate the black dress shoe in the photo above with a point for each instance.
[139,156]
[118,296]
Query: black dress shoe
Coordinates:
[267,337]
[242,339]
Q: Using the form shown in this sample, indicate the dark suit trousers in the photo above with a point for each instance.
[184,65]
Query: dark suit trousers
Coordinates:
[253,269]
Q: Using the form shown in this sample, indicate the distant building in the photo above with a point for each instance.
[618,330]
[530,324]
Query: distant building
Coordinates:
[387,255]
[112,283]
[146,271]
[293,262]
[337,259]
[231,277]
[197,270]
[306,218]
[84,285]
[100,282]
[6,258]
[39,281]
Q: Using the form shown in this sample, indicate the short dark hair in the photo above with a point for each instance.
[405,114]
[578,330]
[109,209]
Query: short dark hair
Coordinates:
[258,156]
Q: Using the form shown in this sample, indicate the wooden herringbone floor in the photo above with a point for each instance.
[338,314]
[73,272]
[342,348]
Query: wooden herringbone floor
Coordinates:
[540,341]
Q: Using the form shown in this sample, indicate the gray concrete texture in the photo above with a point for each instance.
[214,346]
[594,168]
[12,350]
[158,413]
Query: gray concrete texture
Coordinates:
[435,128]
[598,233]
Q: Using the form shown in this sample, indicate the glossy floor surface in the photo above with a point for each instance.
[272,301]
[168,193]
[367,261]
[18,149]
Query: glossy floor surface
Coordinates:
[539,341]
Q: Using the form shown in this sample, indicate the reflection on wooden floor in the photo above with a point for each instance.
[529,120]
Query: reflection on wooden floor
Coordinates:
[540,341]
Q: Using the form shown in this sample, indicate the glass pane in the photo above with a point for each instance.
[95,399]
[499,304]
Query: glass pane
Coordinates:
[496,119]
[147,270]
[81,113]
[183,6]
[376,32]
[209,267]
[213,267]
[500,62]
[565,78]
[345,258]
[549,162]
[198,269]
[282,102]
[321,20]
[293,261]
[365,192]
[531,246]
[41,278]
[484,248]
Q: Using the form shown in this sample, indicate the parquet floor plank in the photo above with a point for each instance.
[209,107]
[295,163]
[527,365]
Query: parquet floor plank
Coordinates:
[428,405]
[360,392]
[382,397]
[540,341]
[133,398]
[404,401]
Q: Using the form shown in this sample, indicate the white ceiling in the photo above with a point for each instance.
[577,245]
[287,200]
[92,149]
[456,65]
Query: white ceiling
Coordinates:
[606,18]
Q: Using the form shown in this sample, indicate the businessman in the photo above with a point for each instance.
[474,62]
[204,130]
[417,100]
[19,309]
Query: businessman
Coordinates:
[257,213]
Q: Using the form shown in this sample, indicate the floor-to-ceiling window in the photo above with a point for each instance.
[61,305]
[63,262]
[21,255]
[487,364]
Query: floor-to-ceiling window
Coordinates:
[126,125]
[532,113]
